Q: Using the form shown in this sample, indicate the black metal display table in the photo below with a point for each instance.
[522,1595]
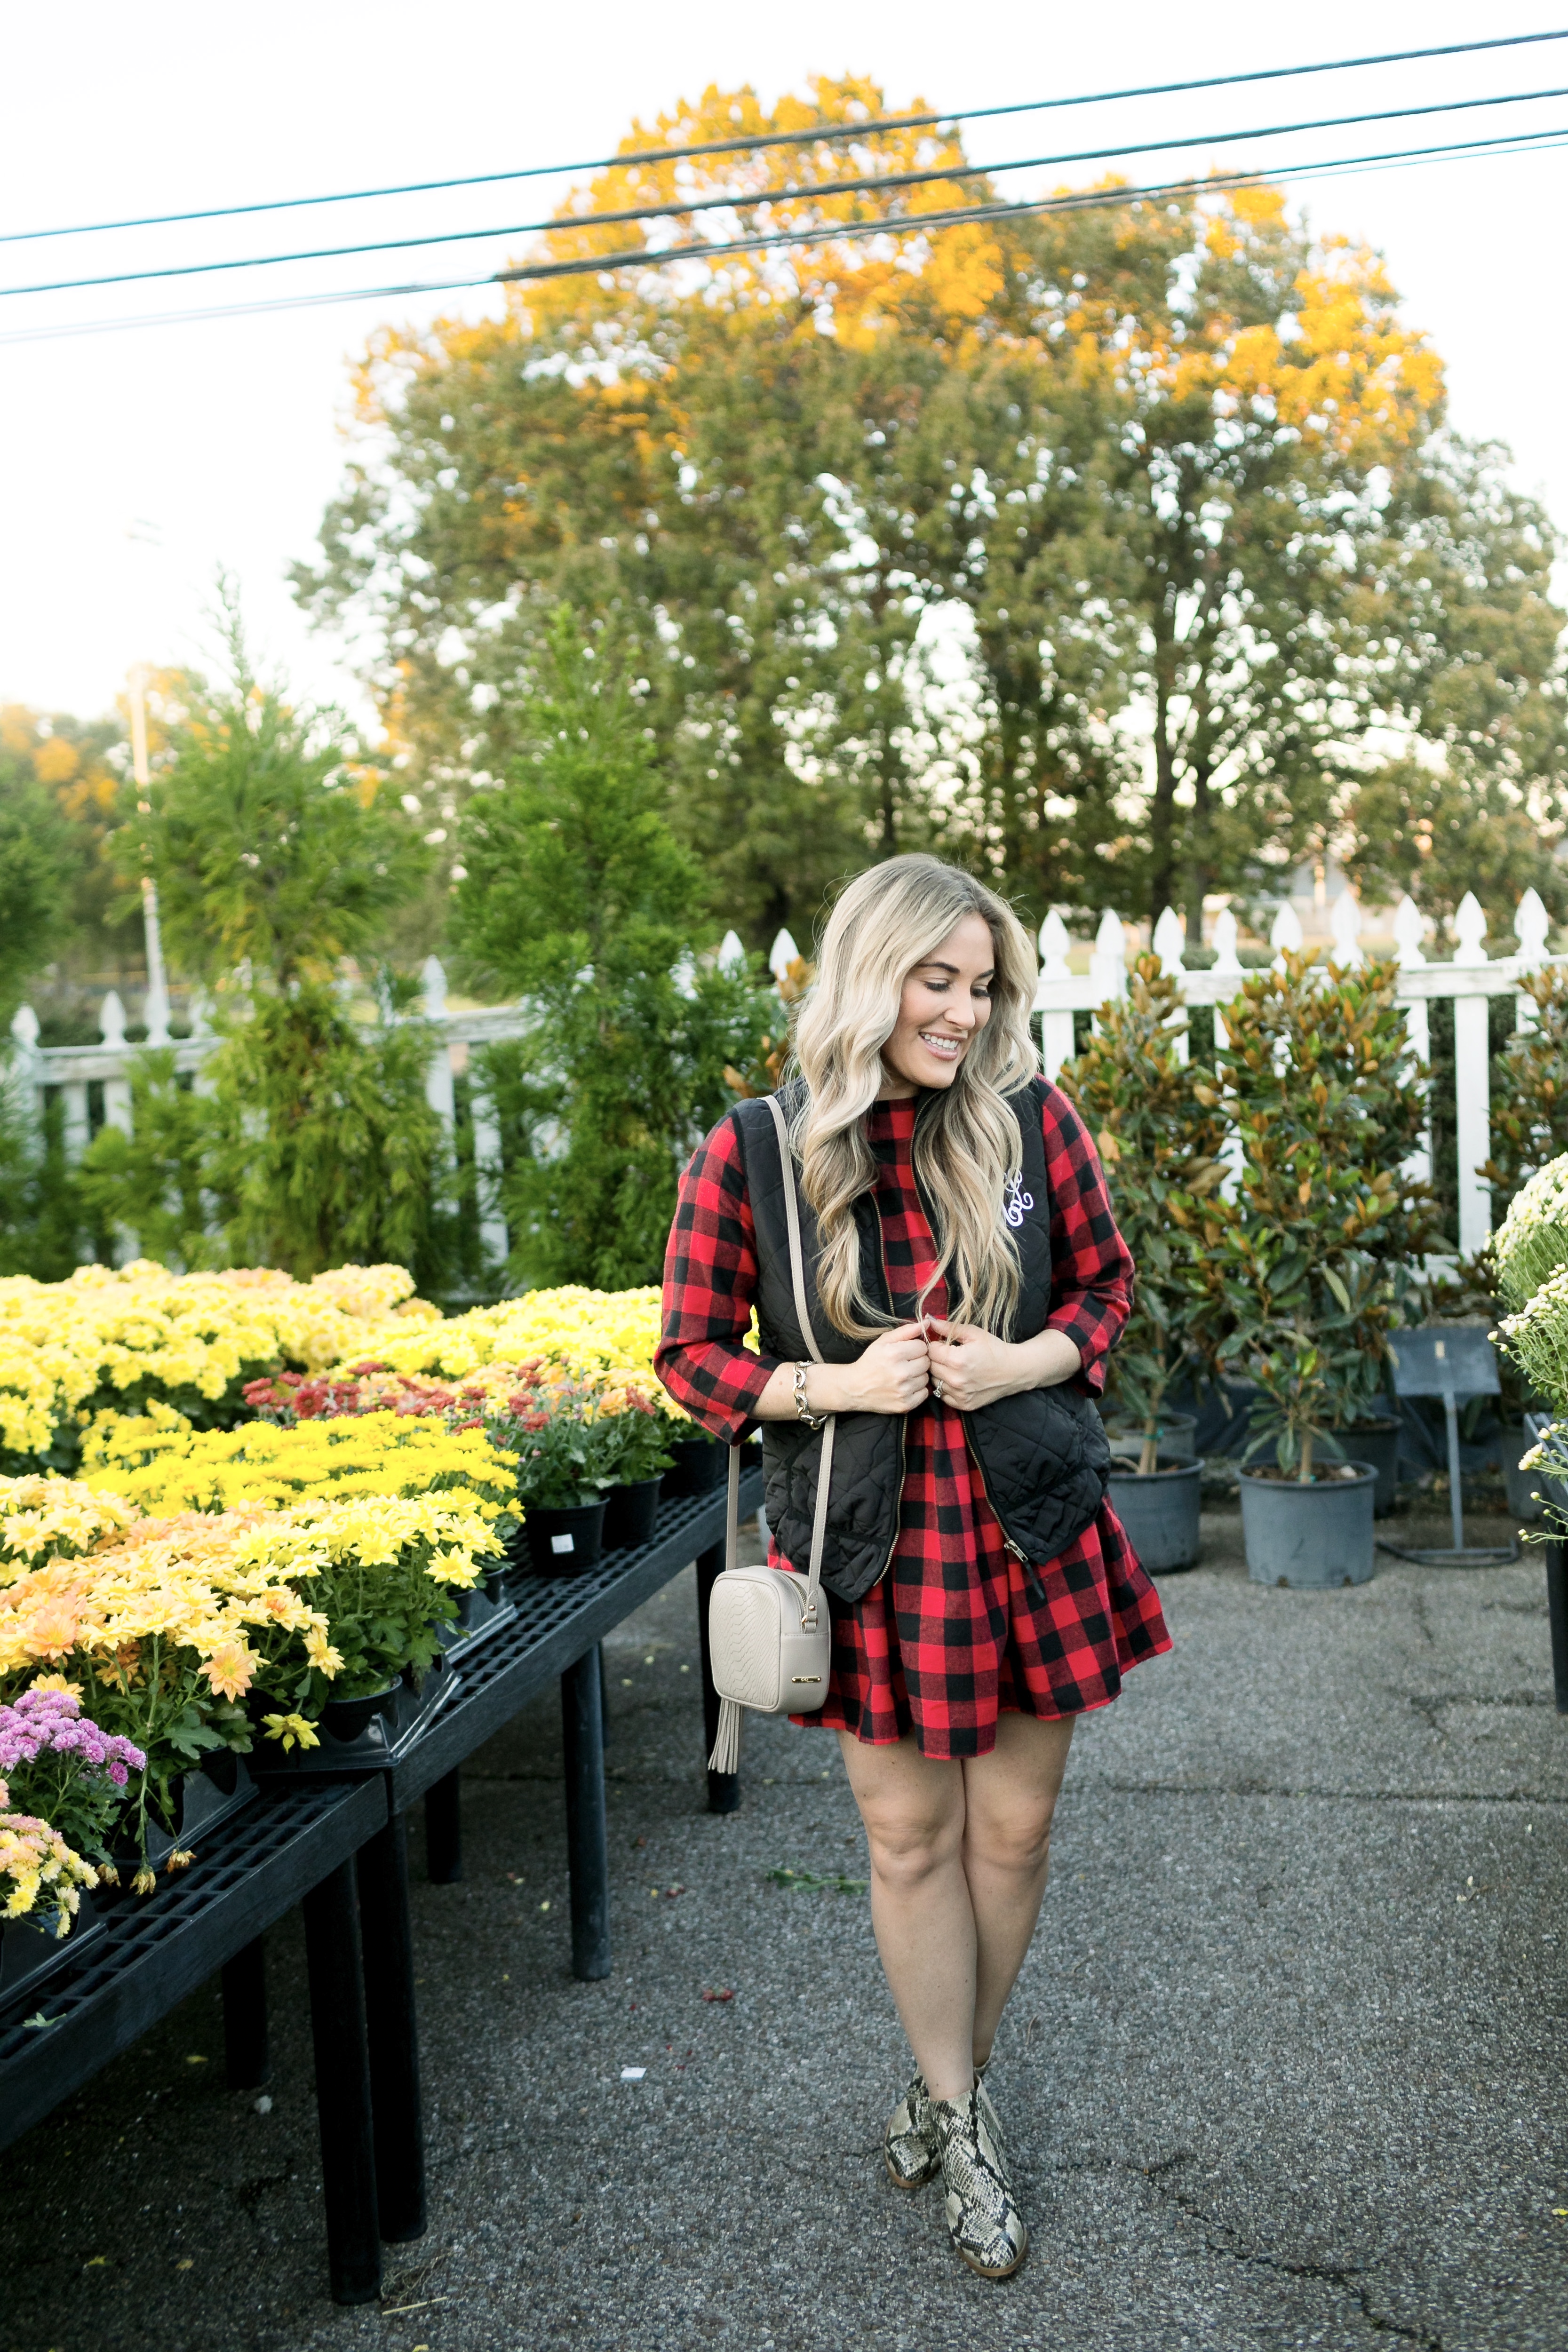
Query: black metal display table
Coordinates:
[336,1844]
[555,1630]
[288,1846]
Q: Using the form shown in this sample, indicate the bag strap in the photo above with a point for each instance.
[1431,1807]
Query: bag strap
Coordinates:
[802,1312]
[791,1219]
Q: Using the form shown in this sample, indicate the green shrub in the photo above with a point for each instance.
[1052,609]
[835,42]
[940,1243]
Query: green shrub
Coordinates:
[41,1207]
[308,1141]
[311,1145]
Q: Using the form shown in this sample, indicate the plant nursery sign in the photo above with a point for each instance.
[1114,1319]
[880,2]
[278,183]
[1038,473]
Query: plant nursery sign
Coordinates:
[1455,1361]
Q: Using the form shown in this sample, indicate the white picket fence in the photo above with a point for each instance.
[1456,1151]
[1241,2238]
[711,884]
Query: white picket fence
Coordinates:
[1469,978]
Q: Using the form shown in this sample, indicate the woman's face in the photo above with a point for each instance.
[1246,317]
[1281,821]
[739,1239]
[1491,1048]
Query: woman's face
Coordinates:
[945,1003]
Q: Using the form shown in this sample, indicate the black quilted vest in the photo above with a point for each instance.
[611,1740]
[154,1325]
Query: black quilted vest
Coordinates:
[1043,1455]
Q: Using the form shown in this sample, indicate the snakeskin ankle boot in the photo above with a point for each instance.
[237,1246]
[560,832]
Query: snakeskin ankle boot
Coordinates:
[988,2115]
[984,2225]
[909,2144]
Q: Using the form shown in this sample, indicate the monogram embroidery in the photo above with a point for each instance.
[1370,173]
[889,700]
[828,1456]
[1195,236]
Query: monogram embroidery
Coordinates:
[1017,1201]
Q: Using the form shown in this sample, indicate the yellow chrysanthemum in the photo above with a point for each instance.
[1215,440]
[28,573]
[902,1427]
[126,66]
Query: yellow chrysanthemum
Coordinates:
[35,1863]
[292,1729]
[139,1328]
[163,1469]
[597,1336]
[42,1518]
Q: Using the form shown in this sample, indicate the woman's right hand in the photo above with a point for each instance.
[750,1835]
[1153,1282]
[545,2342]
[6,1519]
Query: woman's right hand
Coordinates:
[892,1376]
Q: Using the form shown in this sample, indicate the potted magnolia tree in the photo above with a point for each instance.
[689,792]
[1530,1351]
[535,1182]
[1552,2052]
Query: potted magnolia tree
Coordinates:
[1362,1094]
[1302,1268]
[1311,1341]
[1156,1120]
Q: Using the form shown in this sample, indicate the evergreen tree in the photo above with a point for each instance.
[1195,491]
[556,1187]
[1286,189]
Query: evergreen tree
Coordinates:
[36,871]
[311,1142]
[578,895]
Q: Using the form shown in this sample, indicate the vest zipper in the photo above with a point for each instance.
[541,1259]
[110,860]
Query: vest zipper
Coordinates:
[1034,1584]
[903,1423]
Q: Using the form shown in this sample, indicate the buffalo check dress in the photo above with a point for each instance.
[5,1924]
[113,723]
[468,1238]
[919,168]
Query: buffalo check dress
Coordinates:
[956,1633]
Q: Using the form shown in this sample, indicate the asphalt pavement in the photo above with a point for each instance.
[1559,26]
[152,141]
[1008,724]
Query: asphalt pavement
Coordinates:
[1284,2068]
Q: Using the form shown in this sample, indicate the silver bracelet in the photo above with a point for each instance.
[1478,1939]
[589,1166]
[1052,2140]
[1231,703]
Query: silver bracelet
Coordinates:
[803,1410]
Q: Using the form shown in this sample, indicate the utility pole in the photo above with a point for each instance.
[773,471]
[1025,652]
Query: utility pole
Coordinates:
[157,1014]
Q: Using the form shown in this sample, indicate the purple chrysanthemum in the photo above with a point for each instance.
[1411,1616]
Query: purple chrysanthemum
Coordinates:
[50,1722]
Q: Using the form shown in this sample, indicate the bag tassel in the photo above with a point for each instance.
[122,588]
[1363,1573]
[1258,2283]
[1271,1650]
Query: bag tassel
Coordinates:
[726,1755]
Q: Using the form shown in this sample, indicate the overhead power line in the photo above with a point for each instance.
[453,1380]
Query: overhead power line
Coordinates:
[1084,200]
[1094,199]
[664,209]
[812,135]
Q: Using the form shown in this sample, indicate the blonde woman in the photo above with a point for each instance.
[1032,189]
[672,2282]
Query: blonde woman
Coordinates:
[965,1280]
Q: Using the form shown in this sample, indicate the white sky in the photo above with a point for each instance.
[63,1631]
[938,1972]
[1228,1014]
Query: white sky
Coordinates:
[133,464]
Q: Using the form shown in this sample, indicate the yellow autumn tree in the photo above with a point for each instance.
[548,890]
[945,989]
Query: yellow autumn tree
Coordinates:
[1091,544]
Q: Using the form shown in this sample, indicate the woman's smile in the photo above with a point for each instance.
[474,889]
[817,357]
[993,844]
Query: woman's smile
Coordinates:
[944,1004]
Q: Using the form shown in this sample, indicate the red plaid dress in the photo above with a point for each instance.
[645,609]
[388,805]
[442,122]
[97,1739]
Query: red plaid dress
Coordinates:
[955,1633]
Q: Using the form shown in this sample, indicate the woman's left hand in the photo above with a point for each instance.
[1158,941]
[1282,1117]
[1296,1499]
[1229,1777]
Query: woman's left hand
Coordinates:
[972,1367]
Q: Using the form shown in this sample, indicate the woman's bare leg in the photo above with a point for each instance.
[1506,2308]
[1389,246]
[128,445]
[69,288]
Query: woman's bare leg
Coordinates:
[913,1809]
[959,1854]
[1009,1798]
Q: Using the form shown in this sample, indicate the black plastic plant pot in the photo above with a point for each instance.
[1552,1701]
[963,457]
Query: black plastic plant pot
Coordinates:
[700,1466]
[1313,1536]
[345,1718]
[1159,1510]
[566,1541]
[631,1513]
[1376,1442]
[477,1603]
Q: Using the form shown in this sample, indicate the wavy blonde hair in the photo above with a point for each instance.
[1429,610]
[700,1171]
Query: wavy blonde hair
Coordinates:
[966,1145]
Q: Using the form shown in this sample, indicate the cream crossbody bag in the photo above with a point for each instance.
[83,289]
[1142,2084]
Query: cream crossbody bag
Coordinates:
[770,1637]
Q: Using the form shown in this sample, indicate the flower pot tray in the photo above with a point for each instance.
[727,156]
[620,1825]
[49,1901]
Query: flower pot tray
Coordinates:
[385,1740]
[486,1612]
[30,1956]
[207,1797]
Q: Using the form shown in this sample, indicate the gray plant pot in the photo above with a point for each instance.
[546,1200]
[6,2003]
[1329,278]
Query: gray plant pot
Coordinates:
[1305,1537]
[1175,1432]
[1376,1442]
[1160,1513]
